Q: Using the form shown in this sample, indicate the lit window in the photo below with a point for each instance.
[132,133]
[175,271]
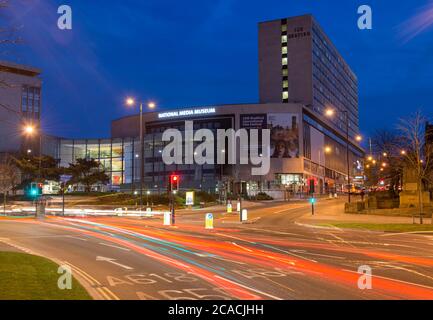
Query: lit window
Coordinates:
[284,39]
[285,84]
[284,50]
[285,72]
[284,61]
[284,27]
[285,95]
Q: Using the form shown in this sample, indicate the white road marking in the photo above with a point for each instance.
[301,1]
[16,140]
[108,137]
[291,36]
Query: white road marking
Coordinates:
[113,246]
[249,288]
[396,280]
[113,261]
[246,249]
[226,235]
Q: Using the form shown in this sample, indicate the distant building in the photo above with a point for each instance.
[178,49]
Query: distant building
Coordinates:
[298,63]
[20,105]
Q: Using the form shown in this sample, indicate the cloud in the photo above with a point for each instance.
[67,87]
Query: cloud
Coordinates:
[417,24]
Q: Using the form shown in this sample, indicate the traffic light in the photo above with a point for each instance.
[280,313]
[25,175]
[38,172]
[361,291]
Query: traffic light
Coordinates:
[174,182]
[312,200]
[35,190]
[312,185]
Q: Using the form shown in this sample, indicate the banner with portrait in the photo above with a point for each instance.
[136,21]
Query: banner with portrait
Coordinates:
[284,135]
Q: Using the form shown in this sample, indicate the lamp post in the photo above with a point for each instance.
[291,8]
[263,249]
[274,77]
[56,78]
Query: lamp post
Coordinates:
[30,130]
[151,105]
[330,113]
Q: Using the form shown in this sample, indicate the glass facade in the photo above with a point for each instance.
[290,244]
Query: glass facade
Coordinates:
[334,84]
[120,158]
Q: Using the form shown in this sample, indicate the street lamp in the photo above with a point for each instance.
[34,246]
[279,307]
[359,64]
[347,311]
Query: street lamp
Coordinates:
[30,130]
[151,105]
[330,113]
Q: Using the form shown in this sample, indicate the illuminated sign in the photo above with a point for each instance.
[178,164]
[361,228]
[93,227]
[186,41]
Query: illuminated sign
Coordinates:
[185,113]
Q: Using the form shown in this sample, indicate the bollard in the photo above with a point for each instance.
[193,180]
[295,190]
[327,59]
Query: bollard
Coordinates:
[209,221]
[244,216]
[229,208]
[167,218]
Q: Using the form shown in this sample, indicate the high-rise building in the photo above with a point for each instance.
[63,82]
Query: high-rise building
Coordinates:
[20,106]
[298,63]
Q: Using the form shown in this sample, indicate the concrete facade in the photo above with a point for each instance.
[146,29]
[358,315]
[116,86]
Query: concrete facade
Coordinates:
[20,104]
[298,63]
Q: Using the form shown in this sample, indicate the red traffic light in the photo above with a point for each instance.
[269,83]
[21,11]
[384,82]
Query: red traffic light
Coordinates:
[174,178]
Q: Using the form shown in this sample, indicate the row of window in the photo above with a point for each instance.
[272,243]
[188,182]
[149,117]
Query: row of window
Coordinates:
[31,101]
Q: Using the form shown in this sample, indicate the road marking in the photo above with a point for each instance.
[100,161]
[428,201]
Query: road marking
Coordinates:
[276,232]
[408,232]
[226,235]
[396,280]
[249,288]
[113,261]
[113,246]
[246,249]
[77,238]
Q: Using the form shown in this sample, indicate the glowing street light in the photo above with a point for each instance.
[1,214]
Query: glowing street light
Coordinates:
[358,138]
[403,152]
[329,112]
[385,154]
[328,149]
[370,158]
[130,101]
[29,129]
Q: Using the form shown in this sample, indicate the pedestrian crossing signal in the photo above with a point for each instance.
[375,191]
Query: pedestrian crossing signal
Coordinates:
[174,182]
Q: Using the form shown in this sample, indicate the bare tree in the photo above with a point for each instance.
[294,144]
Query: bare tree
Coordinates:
[386,147]
[416,153]
[9,178]
[7,37]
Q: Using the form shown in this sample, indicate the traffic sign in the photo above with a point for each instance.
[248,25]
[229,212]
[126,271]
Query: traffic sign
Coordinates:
[209,221]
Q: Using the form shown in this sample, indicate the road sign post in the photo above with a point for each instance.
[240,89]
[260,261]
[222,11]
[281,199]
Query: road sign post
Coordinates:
[167,218]
[209,221]
[244,215]
[64,178]
[312,201]
[229,208]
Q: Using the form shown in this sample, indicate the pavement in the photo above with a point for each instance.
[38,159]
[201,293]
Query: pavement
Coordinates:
[274,256]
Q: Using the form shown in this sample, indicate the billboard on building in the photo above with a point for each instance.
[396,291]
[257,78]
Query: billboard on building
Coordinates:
[284,135]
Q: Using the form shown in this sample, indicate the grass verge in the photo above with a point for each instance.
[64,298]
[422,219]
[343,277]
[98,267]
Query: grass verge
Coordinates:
[387,227]
[28,277]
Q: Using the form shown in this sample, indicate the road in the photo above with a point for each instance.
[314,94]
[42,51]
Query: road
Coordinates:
[272,258]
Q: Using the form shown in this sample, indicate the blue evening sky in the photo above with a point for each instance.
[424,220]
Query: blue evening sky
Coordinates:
[194,53]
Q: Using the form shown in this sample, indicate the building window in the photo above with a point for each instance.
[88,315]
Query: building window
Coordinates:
[31,100]
[283,39]
[284,61]
[285,95]
[284,27]
[285,84]
[284,50]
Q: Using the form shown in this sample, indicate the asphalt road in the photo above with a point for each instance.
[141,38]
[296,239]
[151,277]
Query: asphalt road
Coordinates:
[272,258]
